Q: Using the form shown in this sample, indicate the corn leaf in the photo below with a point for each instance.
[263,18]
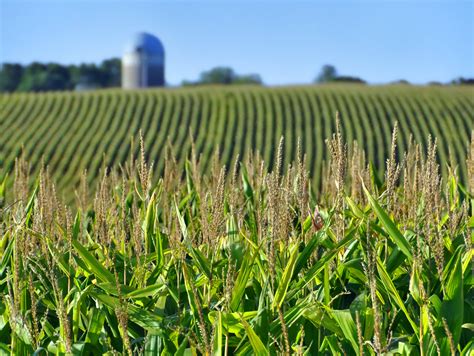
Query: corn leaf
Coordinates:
[144,318]
[93,265]
[347,325]
[218,335]
[390,226]
[393,293]
[242,278]
[452,308]
[285,279]
[257,345]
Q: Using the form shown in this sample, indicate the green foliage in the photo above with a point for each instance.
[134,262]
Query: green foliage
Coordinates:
[224,75]
[38,77]
[220,265]
[329,74]
[10,76]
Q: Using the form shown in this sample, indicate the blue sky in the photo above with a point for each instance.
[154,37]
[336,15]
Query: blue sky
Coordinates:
[285,42]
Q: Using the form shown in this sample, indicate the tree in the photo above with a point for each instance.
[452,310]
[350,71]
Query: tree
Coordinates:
[463,81]
[58,77]
[44,77]
[53,76]
[224,75]
[111,71]
[218,75]
[401,81]
[34,78]
[348,79]
[328,74]
[89,74]
[10,76]
[248,79]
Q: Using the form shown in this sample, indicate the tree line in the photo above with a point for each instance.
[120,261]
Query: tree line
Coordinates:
[35,77]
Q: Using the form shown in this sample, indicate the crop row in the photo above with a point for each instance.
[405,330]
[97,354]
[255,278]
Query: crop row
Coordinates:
[71,132]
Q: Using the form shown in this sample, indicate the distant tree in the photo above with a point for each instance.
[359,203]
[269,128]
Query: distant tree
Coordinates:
[43,77]
[463,81]
[10,76]
[88,74]
[34,78]
[349,79]
[58,77]
[53,76]
[328,74]
[218,75]
[224,75]
[401,81]
[111,71]
[248,79]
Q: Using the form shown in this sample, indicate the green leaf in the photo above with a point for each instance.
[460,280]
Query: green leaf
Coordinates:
[468,326]
[414,287]
[218,335]
[30,205]
[93,265]
[5,256]
[393,293]
[308,250]
[242,278]
[96,323]
[319,265]
[3,185]
[76,228]
[257,345]
[200,259]
[154,345]
[331,343]
[285,279]
[144,318]
[355,208]
[291,315]
[248,191]
[452,308]
[320,316]
[374,177]
[468,349]
[397,257]
[389,225]
[347,325]
[149,223]
[231,322]
[146,291]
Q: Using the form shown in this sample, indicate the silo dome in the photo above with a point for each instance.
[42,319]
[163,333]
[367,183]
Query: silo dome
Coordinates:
[143,62]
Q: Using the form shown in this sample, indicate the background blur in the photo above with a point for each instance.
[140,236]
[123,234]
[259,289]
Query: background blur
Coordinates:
[282,42]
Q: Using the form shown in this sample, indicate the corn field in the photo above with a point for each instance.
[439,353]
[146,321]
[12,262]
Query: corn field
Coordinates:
[71,132]
[241,260]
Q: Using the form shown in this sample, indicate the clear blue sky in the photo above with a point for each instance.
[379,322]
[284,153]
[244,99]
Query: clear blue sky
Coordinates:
[284,42]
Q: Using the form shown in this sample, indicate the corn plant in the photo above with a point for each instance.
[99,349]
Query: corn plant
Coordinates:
[241,261]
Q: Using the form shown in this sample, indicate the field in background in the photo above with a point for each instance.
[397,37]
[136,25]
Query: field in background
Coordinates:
[76,131]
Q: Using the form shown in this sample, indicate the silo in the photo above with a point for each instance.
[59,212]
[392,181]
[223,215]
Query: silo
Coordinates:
[143,63]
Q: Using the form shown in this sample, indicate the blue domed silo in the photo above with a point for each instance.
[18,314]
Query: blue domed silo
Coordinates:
[143,63]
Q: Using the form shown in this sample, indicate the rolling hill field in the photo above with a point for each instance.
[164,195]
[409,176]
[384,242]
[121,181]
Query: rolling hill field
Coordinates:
[76,131]
[237,260]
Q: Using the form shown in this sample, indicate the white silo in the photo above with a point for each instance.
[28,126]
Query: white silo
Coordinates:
[143,63]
